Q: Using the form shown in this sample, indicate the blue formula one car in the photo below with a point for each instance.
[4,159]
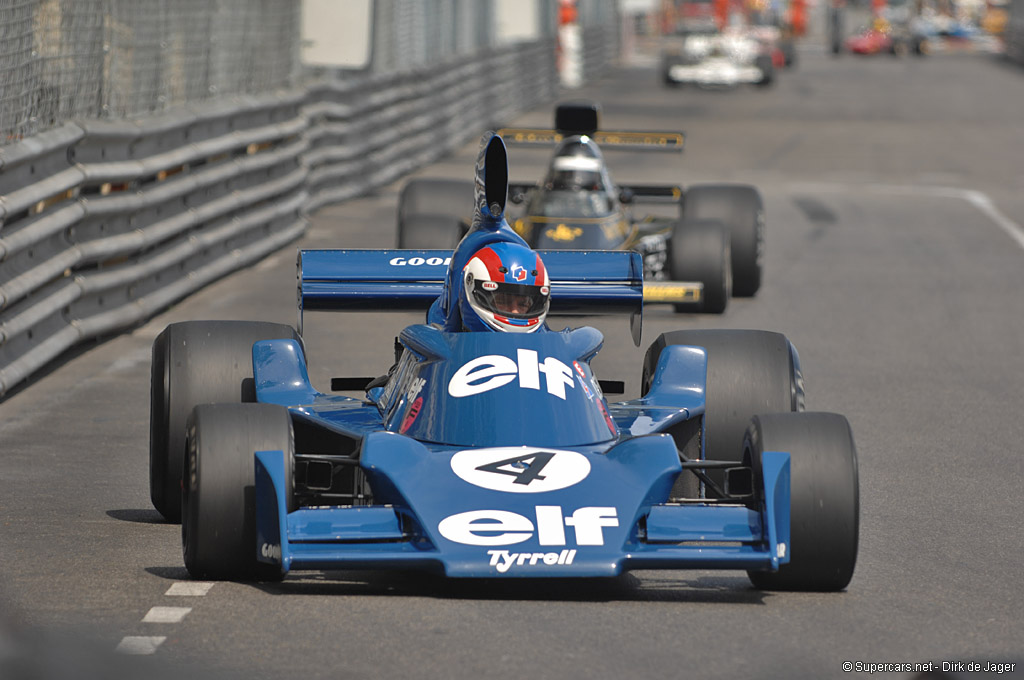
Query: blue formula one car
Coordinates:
[489,454]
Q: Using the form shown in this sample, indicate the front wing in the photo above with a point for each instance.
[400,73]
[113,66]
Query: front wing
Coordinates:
[473,534]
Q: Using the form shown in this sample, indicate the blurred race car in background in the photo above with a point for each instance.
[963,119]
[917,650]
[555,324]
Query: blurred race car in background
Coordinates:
[708,247]
[871,40]
[897,38]
[722,60]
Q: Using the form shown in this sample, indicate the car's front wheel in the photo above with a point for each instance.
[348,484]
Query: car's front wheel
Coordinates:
[824,498]
[699,250]
[218,524]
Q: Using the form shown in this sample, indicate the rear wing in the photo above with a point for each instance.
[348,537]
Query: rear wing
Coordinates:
[626,141]
[582,117]
[583,283]
[639,193]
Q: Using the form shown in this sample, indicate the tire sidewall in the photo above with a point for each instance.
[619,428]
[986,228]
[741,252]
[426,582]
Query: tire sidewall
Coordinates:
[740,208]
[699,250]
[749,372]
[196,362]
[218,498]
[824,497]
[432,211]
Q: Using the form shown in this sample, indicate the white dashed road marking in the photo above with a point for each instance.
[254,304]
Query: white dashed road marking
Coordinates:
[166,614]
[135,644]
[141,644]
[189,589]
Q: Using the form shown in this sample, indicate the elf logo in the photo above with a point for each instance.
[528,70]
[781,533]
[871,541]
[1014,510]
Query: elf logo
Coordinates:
[493,371]
[502,527]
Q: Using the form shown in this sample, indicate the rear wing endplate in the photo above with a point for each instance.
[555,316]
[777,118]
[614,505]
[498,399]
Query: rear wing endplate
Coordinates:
[583,282]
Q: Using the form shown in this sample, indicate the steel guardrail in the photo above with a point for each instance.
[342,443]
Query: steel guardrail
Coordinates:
[105,223]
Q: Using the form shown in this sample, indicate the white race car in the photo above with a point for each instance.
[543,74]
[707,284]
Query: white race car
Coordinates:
[719,60]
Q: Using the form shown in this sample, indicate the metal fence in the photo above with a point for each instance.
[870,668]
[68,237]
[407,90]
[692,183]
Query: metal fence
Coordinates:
[65,60]
[150,150]
[417,33]
[367,132]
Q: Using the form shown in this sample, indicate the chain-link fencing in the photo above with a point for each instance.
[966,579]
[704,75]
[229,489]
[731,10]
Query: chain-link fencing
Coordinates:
[64,60]
[152,146]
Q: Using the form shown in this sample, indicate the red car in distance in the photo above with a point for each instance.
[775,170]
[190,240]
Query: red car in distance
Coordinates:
[870,40]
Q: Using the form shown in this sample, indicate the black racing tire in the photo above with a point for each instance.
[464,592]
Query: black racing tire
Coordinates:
[824,498]
[667,62]
[741,209]
[699,250]
[749,372]
[788,53]
[434,213]
[428,232]
[218,527]
[196,362]
[764,62]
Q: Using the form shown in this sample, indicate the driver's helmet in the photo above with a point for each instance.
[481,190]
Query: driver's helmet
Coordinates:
[577,165]
[505,287]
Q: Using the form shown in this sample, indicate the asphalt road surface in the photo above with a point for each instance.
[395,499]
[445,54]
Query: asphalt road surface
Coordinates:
[895,262]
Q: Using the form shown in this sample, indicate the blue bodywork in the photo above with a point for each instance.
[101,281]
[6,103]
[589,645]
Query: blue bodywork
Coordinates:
[444,483]
[496,454]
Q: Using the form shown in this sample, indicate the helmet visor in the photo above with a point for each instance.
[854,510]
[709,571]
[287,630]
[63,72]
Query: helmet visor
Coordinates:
[511,300]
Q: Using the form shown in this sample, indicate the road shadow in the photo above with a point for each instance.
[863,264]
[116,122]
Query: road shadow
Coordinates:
[178,573]
[138,516]
[650,586]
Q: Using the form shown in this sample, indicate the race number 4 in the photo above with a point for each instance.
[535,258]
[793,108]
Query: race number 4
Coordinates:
[521,469]
[524,469]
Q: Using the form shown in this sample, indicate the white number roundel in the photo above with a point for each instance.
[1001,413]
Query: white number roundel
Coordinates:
[521,469]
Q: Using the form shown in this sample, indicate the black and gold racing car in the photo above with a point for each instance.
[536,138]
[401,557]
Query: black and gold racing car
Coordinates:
[708,247]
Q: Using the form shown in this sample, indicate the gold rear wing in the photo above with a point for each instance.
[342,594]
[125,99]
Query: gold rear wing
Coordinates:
[627,141]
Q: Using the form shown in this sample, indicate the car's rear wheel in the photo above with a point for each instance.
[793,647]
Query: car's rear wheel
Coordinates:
[433,213]
[741,209]
[767,66]
[218,527]
[699,251]
[824,498]
[667,62]
[749,372]
[196,362]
